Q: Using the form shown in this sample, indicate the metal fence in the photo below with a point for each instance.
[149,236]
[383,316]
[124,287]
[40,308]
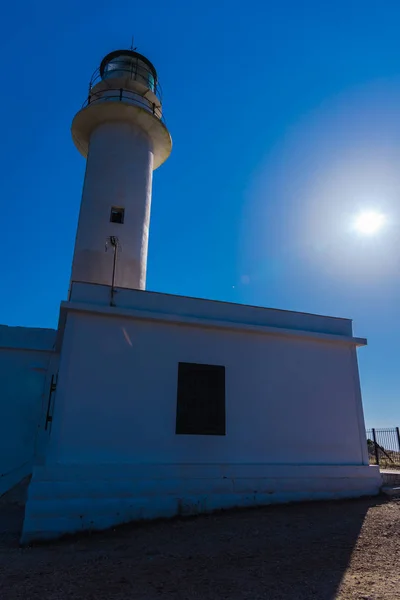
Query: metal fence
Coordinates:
[384,447]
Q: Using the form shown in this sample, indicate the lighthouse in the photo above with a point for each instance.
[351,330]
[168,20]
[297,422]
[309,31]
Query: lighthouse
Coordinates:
[151,405]
[121,132]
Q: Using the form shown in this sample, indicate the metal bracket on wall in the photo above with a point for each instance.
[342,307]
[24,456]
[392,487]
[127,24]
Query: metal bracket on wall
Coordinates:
[53,386]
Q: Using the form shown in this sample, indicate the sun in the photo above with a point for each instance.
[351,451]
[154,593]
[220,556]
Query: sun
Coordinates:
[369,222]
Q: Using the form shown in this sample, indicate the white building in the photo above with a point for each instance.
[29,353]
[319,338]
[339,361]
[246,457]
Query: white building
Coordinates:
[149,405]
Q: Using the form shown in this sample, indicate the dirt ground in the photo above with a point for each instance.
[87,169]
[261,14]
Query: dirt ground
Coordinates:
[343,550]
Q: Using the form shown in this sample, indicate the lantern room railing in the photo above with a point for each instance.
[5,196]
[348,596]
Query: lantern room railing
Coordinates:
[125,96]
[133,69]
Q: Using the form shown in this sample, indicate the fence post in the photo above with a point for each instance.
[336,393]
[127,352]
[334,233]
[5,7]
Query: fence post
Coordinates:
[398,438]
[376,447]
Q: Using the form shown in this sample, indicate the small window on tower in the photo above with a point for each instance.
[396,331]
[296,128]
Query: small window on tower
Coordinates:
[117,215]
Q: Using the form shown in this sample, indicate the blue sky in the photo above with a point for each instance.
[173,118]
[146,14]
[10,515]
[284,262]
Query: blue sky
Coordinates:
[285,122]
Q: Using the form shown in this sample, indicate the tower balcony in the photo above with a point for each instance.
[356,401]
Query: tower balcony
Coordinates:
[124,88]
[126,96]
[129,77]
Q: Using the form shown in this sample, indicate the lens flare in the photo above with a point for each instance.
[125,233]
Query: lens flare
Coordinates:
[369,222]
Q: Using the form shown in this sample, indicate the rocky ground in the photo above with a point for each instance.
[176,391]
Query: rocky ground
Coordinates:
[343,550]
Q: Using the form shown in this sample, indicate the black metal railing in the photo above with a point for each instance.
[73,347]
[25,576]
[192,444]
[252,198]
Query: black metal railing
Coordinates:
[384,447]
[133,70]
[126,96]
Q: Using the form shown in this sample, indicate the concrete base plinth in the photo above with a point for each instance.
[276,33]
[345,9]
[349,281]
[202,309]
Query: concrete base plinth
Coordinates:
[66,499]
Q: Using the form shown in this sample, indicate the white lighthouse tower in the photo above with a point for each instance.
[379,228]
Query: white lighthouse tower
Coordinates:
[167,405]
[121,133]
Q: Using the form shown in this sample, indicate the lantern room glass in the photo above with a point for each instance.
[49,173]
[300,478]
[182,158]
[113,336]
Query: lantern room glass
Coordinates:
[130,66]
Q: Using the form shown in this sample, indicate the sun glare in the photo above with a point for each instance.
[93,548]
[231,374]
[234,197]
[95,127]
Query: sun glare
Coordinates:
[369,222]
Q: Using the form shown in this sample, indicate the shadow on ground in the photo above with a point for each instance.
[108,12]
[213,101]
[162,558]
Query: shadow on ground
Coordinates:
[295,552]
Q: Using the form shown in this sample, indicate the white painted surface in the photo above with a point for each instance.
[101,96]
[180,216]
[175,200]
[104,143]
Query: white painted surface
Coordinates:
[118,173]
[121,133]
[72,498]
[116,111]
[287,400]
[24,358]
[155,303]
[294,422]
